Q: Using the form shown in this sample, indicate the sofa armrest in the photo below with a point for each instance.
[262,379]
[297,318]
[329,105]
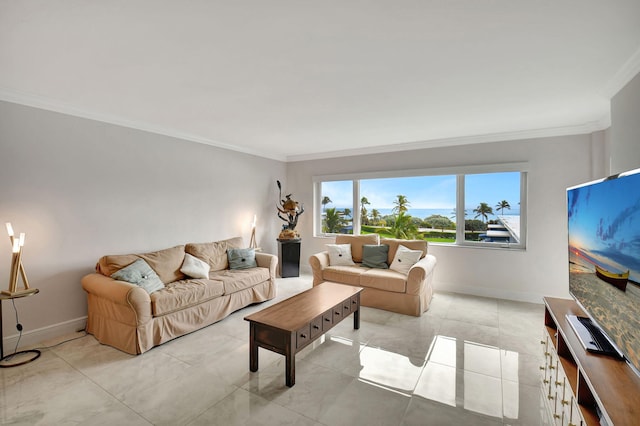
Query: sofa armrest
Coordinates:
[420,274]
[318,262]
[270,261]
[121,293]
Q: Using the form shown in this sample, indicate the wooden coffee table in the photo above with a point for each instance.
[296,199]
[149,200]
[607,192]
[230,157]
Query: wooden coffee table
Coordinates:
[290,325]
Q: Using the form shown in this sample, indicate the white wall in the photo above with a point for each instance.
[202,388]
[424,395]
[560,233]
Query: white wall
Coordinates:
[625,127]
[81,189]
[554,164]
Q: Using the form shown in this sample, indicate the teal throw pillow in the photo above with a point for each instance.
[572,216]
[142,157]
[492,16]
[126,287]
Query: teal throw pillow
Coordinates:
[375,256]
[140,274]
[241,258]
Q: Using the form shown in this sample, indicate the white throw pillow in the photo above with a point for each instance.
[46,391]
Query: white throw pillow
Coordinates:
[404,259]
[340,255]
[194,267]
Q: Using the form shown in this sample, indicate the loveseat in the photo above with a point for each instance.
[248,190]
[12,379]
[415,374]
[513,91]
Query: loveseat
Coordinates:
[408,292]
[136,317]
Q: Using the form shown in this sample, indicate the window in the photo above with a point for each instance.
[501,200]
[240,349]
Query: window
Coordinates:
[336,198]
[430,205]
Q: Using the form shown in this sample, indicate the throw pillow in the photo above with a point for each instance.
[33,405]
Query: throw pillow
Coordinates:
[194,267]
[241,258]
[140,274]
[340,255]
[375,256]
[404,259]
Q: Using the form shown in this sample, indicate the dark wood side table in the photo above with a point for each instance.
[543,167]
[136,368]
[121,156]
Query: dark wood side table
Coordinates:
[289,257]
[4,360]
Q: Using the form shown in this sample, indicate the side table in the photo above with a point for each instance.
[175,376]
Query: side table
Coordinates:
[35,354]
[289,257]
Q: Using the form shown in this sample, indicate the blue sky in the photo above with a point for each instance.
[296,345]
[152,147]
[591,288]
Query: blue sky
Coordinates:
[430,192]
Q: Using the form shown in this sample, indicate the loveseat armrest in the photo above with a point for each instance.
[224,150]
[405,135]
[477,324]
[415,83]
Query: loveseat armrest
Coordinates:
[420,274]
[121,293]
[318,262]
[269,261]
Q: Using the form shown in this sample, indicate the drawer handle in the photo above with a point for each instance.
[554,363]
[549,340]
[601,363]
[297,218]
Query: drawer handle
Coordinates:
[564,402]
[542,342]
[547,353]
[551,367]
[304,336]
[556,416]
[354,302]
[338,312]
[558,383]
[550,397]
[327,320]
[545,381]
[316,327]
[542,367]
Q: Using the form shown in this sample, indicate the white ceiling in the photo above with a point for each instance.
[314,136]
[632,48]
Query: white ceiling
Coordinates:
[295,79]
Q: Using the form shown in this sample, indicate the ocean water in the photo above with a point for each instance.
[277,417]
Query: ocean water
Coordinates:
[449,213]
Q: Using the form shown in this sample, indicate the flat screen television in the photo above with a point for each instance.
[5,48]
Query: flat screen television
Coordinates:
[604,263]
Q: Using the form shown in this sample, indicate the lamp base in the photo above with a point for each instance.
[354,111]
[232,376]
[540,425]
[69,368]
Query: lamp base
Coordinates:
[18,293]
[21,358]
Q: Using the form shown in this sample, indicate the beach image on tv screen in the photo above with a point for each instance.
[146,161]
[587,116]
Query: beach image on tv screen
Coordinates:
[604,257]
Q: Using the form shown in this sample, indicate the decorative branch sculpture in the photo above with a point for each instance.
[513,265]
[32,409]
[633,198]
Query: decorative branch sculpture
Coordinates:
[288,211]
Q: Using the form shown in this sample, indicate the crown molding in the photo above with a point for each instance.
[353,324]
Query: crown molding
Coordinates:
[625,74]
[589,127]
[60,107]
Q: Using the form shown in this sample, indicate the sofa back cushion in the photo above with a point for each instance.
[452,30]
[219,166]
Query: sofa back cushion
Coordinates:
[215,253]
[166,263]
[393,244]
[357,241]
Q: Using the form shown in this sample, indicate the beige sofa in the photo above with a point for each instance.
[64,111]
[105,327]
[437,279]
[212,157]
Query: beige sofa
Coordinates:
[383,288]
[127,317]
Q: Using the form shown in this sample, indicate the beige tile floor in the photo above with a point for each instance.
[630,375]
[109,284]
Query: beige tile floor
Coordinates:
[467,361]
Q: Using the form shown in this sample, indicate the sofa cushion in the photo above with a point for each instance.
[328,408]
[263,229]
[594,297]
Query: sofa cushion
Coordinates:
[387,280]
[214,253]
[166,263]
[393,244]
[140,274]
[340,254]
[194,267]
[405,258]
[239,279]
[375,256]
[183,294]
[357,241]
[344,274]
[241,258]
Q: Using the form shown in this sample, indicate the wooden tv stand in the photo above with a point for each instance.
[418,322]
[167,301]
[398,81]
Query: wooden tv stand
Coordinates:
[581,387]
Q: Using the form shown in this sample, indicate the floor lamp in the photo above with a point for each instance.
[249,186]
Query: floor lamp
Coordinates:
[252,243]
[13,293]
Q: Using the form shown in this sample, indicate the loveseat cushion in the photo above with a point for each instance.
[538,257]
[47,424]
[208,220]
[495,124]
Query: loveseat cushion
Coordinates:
[239,279]
[344,274]
[214,253]
[357,241]
[393,244]
[384,279]
[183,294]
[166,263]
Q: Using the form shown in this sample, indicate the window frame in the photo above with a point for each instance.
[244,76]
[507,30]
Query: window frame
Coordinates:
[459,171]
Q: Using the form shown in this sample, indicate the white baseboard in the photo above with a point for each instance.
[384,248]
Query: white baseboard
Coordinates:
[488,292]
[44,336]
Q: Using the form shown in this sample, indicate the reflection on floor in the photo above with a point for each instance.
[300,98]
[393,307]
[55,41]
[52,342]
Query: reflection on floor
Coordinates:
[469,360]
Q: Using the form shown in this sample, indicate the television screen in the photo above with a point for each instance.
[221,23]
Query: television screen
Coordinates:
[604,257]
